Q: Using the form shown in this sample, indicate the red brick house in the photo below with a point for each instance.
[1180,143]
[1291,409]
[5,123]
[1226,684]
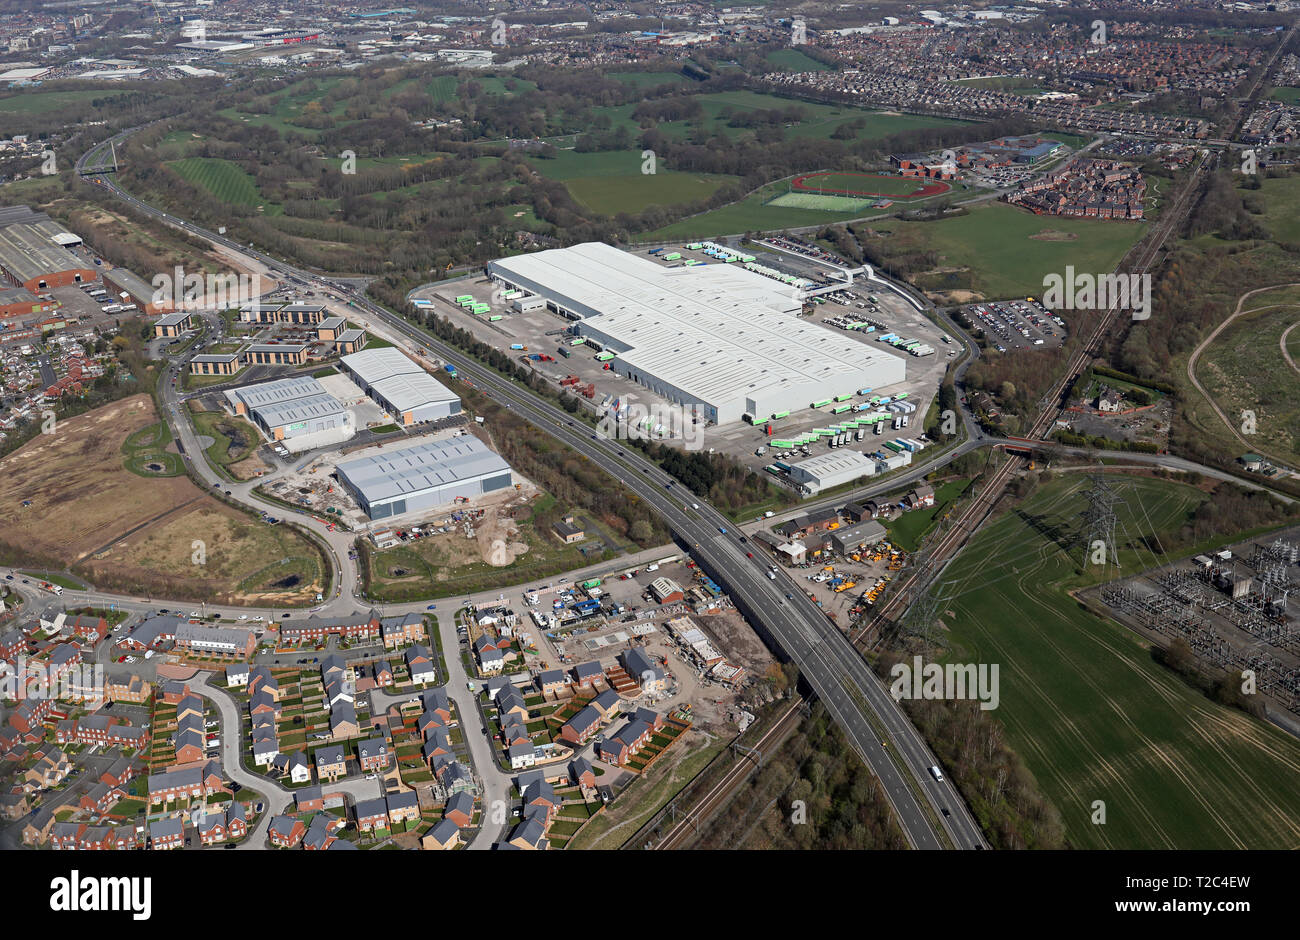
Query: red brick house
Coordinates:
[90,629]
[286,831]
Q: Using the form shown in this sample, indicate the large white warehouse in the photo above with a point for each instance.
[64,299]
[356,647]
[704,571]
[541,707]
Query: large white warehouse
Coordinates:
[712,335]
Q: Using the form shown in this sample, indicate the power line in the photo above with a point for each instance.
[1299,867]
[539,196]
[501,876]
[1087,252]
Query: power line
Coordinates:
[1099,520]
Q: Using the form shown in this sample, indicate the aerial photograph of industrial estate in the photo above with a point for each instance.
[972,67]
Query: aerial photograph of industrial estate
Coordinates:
[555,425]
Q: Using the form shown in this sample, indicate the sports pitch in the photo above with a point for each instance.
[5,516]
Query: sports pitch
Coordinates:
[823,203]
[868,184]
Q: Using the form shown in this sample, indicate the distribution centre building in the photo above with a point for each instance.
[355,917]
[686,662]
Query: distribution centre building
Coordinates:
[400,386]
[713,335]
[297,412]
[423,476]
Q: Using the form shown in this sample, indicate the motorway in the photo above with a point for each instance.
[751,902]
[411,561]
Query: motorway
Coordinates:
[930,812]
[855,697]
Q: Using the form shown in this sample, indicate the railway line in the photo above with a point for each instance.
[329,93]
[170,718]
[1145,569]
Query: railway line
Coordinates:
[1138,261]
[720,793]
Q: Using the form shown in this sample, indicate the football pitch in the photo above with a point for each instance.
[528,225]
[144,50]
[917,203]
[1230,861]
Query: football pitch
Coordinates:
[1100,724]
[868,184]
[823,203]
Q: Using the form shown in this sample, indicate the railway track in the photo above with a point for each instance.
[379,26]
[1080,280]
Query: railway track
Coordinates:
[1137,261]
[721,793]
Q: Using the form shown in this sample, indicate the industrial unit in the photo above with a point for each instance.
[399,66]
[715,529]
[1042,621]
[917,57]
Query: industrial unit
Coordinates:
[131,289]
[712,335]
[400,386]
[423,476]
[831,469]
[298,412]
[36,252]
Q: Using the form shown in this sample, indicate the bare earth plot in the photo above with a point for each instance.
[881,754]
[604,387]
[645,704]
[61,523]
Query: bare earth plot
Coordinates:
[136,533]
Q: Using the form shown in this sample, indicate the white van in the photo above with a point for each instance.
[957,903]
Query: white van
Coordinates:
[936,773]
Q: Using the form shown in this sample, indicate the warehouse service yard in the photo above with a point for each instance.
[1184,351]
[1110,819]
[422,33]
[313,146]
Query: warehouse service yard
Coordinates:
[844,349]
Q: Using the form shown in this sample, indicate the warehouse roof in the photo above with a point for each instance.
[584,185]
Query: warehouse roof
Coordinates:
[16,295]
[172,319]
[277,414]
[287,401]
[834,462]
[404,392]
[372,365]
[713,331]
[127,280]
[424,466]
[28,248]
[303,386]
[863,533]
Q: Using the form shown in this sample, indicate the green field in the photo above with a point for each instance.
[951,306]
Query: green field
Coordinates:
[819,120]
[755,213]
[227,181]
[1281,201]
[611,182]
[1244,369]
[45,102]
[1009,251]
[1285,94]
[792,60]
[497,85]
[1089,711]
[147,448]
[570,165]
[1013,84]
[862,184]
[908,529]
[611,195]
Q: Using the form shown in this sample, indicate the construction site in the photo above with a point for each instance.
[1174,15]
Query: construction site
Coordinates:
[1236,608]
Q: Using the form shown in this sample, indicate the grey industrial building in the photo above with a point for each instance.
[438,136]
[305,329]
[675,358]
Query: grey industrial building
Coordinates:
[400,386]
[831,469]
[851,538]
[423,476]
[297,411]
[36,252]
[715,336]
